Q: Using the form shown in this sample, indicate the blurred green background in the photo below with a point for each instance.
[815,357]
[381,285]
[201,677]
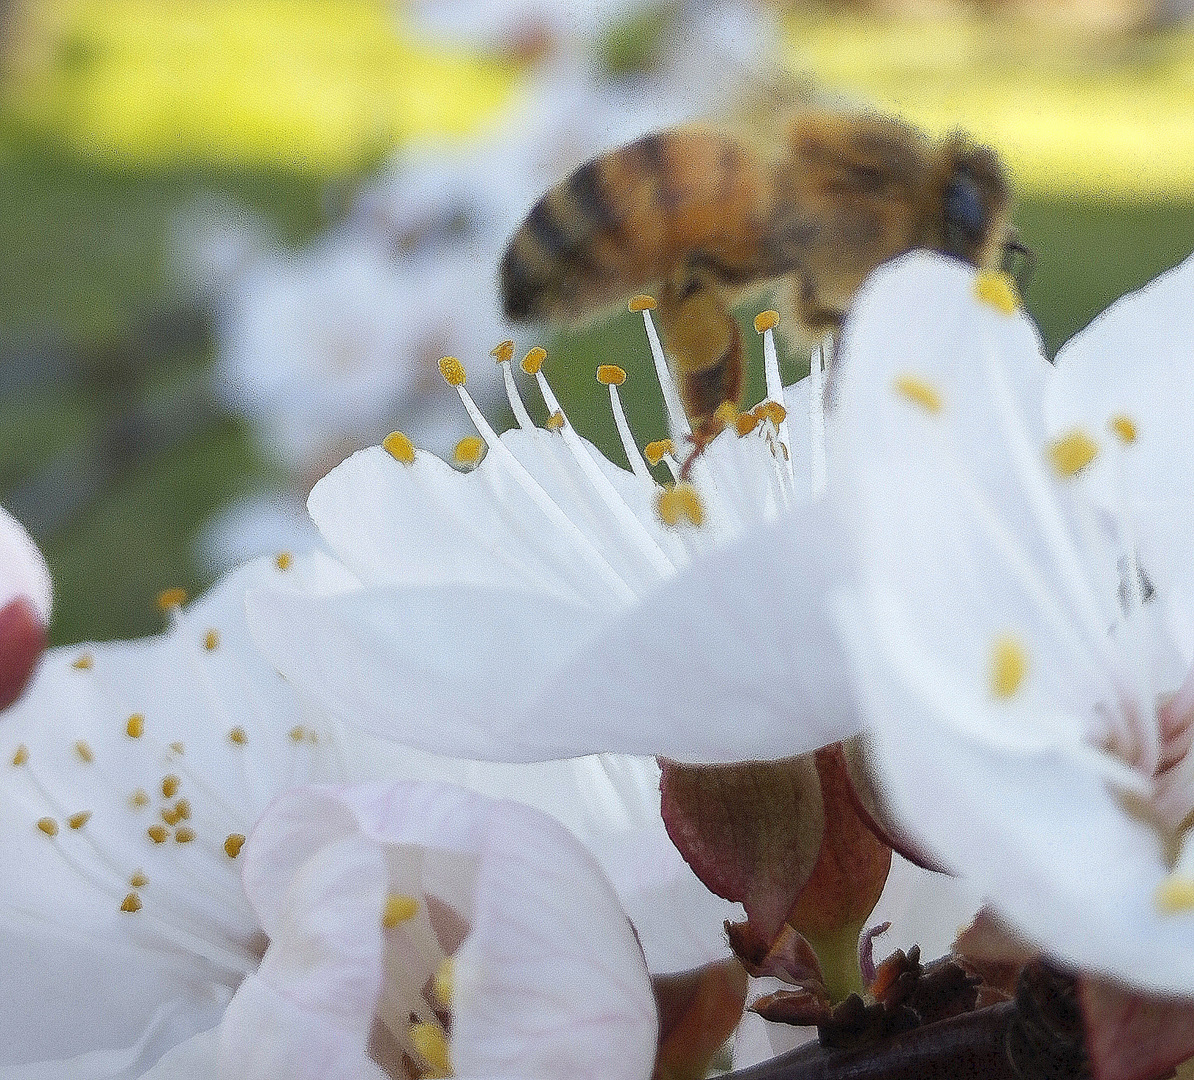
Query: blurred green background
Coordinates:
[115,116]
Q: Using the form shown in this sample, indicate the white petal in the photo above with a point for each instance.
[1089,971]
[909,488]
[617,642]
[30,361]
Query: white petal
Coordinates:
[1048,842]
[611,804]
[22,569]
[964,535]
[62,930]
[699,671]
[550,981]
[924,908]
[308,1009]
[194,1059]
[1133,361]
[708,668]
[171,1025]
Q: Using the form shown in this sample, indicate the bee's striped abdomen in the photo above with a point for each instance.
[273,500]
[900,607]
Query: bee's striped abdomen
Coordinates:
[623,221]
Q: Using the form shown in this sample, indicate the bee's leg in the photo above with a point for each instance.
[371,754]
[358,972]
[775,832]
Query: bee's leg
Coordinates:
[705,344]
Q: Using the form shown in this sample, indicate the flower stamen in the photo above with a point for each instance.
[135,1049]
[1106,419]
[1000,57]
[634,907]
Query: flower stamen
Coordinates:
[1009,665]
[765,324]
[1072,452]
[398,908]
[504,354]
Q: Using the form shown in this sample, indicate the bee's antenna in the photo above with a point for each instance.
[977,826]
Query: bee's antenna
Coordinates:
[1019,260]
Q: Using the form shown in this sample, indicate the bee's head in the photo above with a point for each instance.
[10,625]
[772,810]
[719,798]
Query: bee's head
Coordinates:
[974,208]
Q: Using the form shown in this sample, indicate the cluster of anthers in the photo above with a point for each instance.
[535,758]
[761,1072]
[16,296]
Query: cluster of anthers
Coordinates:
[745,474]
[1140,734]
[127,811]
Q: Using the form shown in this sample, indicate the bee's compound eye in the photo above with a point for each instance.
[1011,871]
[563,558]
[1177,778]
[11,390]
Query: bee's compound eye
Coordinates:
[965,214]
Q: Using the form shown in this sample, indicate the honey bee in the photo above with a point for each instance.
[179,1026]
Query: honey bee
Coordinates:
[788,193]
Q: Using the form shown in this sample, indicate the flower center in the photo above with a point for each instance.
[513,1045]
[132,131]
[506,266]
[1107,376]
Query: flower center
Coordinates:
[616,533]
[412,1027]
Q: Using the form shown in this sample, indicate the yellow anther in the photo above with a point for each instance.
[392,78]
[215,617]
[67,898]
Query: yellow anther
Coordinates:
[766,320]
[183,809]
[48,825]
[138,880]
[555,421]
[399,447]
[469,451]
[131,903]
[503,353]
[918,391]
[237,735]
[134,726]
[533,361]
[83,662]
[773,411]
[1174,894]
[159,834]
[727,413]
[83,749]
[77,821]
[233,843]
[177,748]
[996,288]
[1072,452]
[641,302]
[170,786]
[443,984]
[284,560]
[398,908]
[654,451]
[432,1046]
[21,756]
[298,733]
[139,799]
[211,640]
[611,375]
[1009,665]
[747,422]
[452,370]
[170,815]
[1124,427]
[184,834]
[171,598]
[680,503]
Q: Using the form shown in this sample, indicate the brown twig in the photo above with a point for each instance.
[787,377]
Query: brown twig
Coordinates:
[1037,1036]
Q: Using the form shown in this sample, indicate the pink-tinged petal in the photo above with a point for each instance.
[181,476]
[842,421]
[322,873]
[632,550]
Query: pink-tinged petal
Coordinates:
[554,680]
[22,569]
[551,981]
[1133,1037]
[25,595]
[22,639]
[308,1009]
[1132,364]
